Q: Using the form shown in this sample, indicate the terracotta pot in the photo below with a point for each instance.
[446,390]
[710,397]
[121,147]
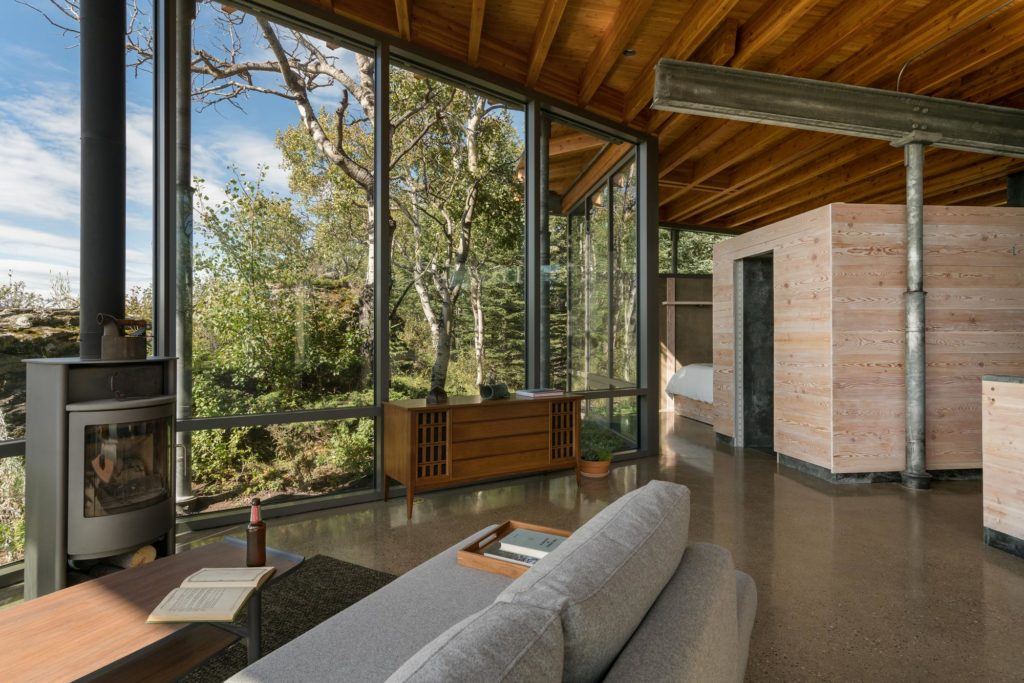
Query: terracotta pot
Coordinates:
[594,469]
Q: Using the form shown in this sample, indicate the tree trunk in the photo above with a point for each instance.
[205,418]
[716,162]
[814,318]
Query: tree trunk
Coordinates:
[476,303]
[443,351]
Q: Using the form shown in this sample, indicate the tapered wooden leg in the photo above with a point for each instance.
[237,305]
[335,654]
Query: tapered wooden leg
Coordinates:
[408,502]
[386,488]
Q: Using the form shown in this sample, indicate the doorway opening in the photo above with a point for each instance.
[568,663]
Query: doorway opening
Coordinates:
[755,352]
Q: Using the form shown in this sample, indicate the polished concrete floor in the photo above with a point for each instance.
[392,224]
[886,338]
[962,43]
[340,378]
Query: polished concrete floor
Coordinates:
[855,582]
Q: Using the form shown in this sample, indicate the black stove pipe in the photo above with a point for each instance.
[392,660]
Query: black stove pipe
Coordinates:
[102,258]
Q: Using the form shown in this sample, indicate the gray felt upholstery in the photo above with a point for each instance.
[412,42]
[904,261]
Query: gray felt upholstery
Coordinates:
[690,633]
[505,642]
[619,599]
[605,577]
[372,638]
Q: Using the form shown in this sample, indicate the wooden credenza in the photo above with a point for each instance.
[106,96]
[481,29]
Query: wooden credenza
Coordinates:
[428,447]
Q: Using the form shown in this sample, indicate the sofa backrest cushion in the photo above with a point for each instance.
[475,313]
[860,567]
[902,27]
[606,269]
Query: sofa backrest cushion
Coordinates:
[503,642]
[605,577]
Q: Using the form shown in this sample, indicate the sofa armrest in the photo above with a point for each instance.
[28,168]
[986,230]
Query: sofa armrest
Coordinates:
[691,631]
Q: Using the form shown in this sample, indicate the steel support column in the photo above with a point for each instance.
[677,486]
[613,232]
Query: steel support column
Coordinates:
[102,243]
[164,202]
[382,233]
[544,242]
[534,220]
[648,305]
[915,475]
[184,15]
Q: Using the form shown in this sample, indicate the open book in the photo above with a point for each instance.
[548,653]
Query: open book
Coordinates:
[215,594]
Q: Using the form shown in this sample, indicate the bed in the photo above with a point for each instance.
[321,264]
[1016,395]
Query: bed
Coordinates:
[692,391]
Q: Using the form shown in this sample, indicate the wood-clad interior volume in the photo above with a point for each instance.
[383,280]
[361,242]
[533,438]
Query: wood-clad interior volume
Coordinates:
[1003,455]
[427,447]
[839,338]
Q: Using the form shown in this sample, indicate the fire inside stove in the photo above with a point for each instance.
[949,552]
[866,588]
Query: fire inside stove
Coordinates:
[126,466]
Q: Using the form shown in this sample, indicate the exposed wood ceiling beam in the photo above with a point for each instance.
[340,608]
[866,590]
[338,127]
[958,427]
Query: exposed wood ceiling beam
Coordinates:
[476,28]
[547,27]
[756,34]
[832,31]
[766,25]
[602,165]
[719,48]
[693,28]
[945,171]
[573,142]
[1000,35]
[403,15]
[930,25]
[928,28]
[620,31]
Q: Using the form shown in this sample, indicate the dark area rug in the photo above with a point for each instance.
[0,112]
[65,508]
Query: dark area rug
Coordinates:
[317,589]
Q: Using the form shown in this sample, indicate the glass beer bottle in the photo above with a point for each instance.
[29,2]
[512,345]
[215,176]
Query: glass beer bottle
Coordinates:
[255,538]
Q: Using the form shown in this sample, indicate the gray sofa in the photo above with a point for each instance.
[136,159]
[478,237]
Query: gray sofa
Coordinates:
[625,598]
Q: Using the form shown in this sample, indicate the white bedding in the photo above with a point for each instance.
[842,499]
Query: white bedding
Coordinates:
[695,381]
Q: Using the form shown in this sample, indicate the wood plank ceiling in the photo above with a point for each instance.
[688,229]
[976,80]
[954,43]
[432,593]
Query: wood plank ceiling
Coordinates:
[600,55]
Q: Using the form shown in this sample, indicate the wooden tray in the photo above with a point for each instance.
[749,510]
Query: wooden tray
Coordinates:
[473,556]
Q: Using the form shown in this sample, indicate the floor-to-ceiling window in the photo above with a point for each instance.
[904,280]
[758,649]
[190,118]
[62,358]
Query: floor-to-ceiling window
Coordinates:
[39,210]
[456,312]
[282,292]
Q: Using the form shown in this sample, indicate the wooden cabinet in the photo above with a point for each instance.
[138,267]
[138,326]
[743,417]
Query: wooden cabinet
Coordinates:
[428,447]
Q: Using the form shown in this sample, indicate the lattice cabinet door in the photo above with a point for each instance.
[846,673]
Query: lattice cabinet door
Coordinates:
[431,446]
[564,431]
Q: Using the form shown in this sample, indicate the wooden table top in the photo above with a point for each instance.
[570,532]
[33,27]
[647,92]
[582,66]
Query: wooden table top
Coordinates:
[88,630]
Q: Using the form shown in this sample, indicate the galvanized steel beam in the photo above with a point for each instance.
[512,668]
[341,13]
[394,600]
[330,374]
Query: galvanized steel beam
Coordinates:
[727,93]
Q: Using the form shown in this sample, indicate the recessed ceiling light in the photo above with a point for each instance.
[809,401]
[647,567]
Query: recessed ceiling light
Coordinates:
[628,52]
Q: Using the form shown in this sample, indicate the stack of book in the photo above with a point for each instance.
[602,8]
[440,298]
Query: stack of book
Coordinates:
[539,393]
[523,546]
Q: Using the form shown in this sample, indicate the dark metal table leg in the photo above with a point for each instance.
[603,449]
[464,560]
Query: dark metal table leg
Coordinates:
[255,619]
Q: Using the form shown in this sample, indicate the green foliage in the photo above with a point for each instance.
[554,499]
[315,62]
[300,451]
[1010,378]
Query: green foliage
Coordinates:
[12,509]
[695,251]
[597,442]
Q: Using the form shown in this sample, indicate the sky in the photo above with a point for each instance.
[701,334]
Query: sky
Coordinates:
[39,143]
[39,150]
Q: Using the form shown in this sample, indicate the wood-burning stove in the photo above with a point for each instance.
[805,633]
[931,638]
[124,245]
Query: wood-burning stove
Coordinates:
[99,477]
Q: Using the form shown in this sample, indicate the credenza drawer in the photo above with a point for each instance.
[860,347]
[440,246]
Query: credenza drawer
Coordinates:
[468,431]
[498,410]
[497,465]
[464,450]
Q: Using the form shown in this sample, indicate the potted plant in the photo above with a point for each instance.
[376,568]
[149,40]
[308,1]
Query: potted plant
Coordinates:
[596,451]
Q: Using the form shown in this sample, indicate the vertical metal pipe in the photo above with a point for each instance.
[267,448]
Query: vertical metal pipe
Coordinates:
[544,324]
[184,14]
[164,194]
[102,252]
[915,475]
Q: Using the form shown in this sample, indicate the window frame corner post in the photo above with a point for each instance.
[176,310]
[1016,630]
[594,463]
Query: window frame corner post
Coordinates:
[647,251]
[164,203]
[382,250]
[534,222]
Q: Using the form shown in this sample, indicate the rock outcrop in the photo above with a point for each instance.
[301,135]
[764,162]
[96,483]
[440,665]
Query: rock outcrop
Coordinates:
[29,333]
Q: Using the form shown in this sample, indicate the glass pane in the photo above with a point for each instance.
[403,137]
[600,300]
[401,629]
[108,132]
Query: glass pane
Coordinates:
[283,268]
[458,317]
[126,466]
[12,509]
[664,251]
[281,462]
[624,285]
[695,251]
[610,423]
[554,276]
[597,285]
[577,250]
